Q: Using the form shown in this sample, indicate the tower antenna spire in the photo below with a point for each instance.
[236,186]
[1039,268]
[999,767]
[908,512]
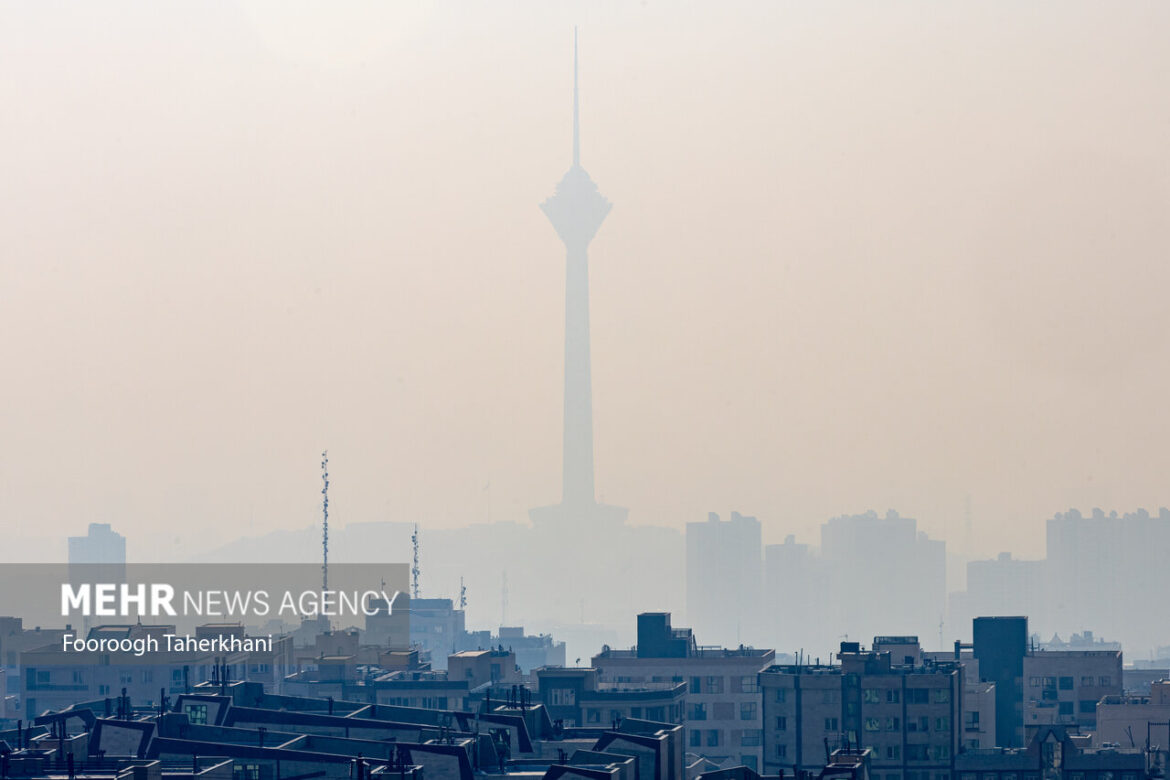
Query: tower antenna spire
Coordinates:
[576,111]
[325,521]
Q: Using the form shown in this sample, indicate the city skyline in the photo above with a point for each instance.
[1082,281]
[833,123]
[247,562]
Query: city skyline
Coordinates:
[199,314]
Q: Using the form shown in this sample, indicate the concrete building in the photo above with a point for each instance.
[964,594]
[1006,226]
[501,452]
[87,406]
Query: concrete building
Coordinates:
[101,545]
[724,578]
[55,678]
[438,628]
[723,717]
[1135,721]
[909,568]
[792,576]
[1052,753]
[891,700]
[1000,586]
[15,639]
[1064,686]
[577,697]
[999,648]
[532,650]
[484,667]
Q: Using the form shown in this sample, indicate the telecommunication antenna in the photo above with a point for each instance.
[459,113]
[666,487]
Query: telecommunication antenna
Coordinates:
[414,566]
[462,595]
[325,521]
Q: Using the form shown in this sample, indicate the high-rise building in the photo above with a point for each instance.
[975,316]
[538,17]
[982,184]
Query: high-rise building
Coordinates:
[724,579]
[883,573]
[795,593]
[102,544]
[1000,646]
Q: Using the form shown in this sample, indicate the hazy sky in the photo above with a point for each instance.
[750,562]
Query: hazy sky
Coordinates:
[861,256]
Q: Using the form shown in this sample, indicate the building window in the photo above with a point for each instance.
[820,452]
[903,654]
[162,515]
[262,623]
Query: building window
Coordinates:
[697,711]
[246,772]
[893,752]
[196,713]
[1104,682]
[942,723]
[592,715]
[78,678]
[1088,706]
[562,697]
[696,738]
[781,751]
[871,695]
[917,695]
[1066,683]
[749,683]
[781,723]
[873,724]
[781,695]
[713,685]
[893,723]
[751,738]
[971,719]
[893,696]
[1065,708]
[712,738]
[747,710]
[940,752]
[1034,682]
[696,685]
[942,695]
[916,752]
[831,724]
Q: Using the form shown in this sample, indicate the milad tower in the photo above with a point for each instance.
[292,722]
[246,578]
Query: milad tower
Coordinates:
[576,210]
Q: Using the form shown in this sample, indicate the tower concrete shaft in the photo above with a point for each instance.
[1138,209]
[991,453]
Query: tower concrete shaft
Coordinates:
[576,211]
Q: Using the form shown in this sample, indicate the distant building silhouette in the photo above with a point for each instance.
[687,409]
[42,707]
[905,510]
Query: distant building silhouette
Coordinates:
[102,544]
[724,578]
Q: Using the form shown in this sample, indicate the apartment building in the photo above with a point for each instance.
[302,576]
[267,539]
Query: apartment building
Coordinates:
[723,716]
[904,708]
[1062,687]
[578,697]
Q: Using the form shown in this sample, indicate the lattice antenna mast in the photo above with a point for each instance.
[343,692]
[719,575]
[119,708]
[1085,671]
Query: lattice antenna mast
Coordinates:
[414,570]
[325,521]
[462,594]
